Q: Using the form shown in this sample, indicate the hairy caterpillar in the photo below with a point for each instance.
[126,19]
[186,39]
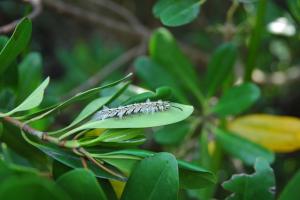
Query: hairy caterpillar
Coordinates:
[147,107]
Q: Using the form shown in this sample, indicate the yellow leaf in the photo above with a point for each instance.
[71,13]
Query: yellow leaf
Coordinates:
[211,147]
[95,132]
[118,187]
[277,133]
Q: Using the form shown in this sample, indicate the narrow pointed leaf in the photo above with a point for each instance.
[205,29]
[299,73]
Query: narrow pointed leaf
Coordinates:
[170,116]
[248,151]
[237,99]
[155,177]
[81,184]
[32,101]
[16,44]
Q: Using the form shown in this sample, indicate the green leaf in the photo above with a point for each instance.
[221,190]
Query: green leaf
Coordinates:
[259,185]
[191,176]
[1,129]
[165,51]
[81,184]
[244,149]
[31,187]
[116,138]
[173,115]
[3,41]
[237,99]
[13,139]
[256,39]
[78,97]
[161,93]
[126,166]
[5,172]
[155,177]
[172,134]
[7,99]
[29,74]
[176,12]
[59,169]
[294,7]
[291,191]
[91,108]
[67,157]
[220,67]
[32,101]
[148,70]
[16,44]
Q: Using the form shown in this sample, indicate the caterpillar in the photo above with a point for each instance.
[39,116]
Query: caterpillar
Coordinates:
[136,108]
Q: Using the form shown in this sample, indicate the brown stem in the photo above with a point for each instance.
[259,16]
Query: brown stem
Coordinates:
[24,127]
[135,28]
[36,10]
[40,134]
[93,160]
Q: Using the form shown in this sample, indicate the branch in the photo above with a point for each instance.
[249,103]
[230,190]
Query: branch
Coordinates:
[138,30]
[86,15]
[63,143]
[36,10]
[124,13]
[24,127]
[39,134]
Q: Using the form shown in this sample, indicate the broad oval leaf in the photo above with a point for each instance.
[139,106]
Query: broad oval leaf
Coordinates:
[237,99]
[176,12]
[155,177]
[291,191]
[16,44]
[277,133]
[67,157]
[220,67]
[173,115]
[165,51]
[191,176]
[32,101]
[259,185]
[31,187]
[244,149]
[81,184]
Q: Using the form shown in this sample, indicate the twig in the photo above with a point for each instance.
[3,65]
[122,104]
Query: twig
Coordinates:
[139,30]
[40,134]
[93,160]
[107,70]
[24,127]
[36,10]
[124,13]
[85,15]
